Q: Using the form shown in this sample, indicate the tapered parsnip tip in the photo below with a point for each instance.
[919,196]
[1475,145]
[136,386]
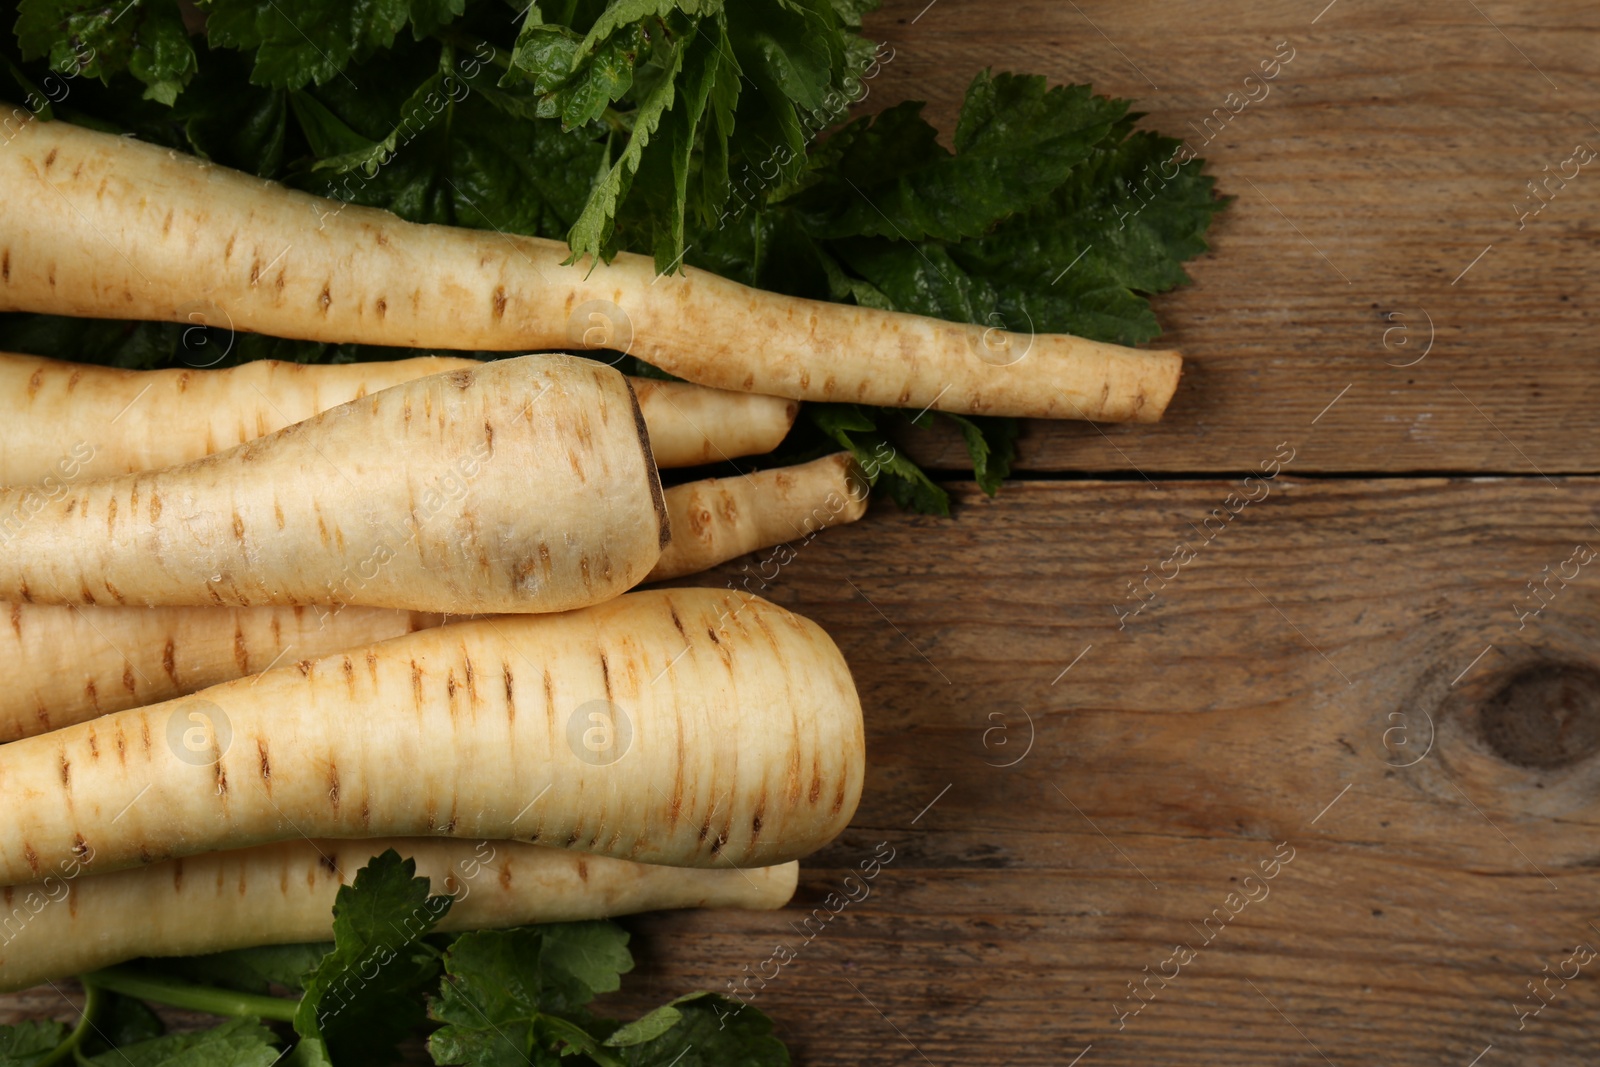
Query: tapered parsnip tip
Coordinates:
[719,519]
[692,425]
[1160,385]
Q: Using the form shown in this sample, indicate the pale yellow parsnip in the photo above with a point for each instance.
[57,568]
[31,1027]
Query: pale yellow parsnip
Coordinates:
[105,226]
[284,893]
[69,420]
[523,485]
[67,664]
[719,519]
[687,727]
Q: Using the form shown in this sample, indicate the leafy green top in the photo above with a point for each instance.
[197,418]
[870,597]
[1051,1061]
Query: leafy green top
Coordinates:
[509,997]
[700,131]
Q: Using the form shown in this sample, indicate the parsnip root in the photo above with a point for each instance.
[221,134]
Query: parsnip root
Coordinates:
[70,420]
[65,664]
[283,893]
[720,519]
[523,485]
[104,226]
[687,727]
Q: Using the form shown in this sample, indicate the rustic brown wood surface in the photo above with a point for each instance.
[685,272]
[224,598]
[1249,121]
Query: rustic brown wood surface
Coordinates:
[1392,151]
[1070,797]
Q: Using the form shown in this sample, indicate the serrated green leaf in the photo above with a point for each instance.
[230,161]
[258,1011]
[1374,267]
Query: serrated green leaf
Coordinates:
[1016,141]
[236,1043]
[367,994]
[992,443]
[98,40]
[513,994]
[298,42]
[591,234]
[27,1043]
[1120,227]
[856,429]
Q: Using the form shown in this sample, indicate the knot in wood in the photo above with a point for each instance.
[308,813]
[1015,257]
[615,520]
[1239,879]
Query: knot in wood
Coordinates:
[1545,716]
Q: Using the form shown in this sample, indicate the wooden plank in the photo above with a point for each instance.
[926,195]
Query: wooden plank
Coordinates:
[1388,156]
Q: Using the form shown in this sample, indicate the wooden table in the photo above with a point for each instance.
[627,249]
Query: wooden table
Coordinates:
[1312,681]
[1342,686]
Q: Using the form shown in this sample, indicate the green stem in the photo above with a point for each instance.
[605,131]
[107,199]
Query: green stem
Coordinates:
[467,42]
[187,995]
[69,1047]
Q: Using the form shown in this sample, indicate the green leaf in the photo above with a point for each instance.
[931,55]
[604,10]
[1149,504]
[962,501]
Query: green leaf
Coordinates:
[236,1043]
[591,234]
[583,959]
[856,429]
[1120,227]
[992,443]
[26,1043]
[231,122]
[249,970]
[515,993]
[710,1031]
[665,168]
[545,55]
[1016,141]
[97,39]
[298,42]
[646,1028]
[367,993]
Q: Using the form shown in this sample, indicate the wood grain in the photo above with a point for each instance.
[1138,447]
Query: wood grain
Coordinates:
[1388,156]
[1255,702]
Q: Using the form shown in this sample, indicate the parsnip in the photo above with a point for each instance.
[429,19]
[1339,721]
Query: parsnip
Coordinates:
[524,485]
[283,893]
[687,727]
[100,225]
[719,519]
[66,664]
[65,419]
